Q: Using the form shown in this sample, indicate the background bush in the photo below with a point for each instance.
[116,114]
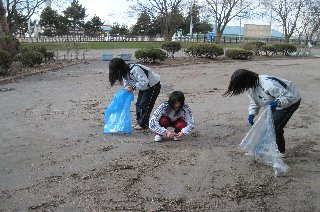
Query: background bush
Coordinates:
[5,61]
[254,46]
[284,48]
[171,47]
[204,50]
[239,54]
[41,49]
[150,55]
[10,45]
[31,58]
[268,49]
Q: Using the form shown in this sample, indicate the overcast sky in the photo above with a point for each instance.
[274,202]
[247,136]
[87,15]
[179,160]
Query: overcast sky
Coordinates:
[109,11]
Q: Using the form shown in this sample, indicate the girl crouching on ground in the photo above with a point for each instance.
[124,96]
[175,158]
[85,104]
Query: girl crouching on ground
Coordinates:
[172,113]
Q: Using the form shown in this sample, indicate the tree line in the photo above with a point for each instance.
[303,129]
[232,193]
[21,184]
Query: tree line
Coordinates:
[163,18]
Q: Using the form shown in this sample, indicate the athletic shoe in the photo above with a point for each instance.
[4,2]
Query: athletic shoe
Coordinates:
[158,138]
[176,138]
[283,155]
[137,127]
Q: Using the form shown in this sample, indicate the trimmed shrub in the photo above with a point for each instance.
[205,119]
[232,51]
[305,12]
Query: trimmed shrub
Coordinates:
[254,46]
[207,50]
[31,58]
[41,49]
[268,49]
[241,54]
[10,45]
[171,47]
[150,55]
[5,61]
[284,48]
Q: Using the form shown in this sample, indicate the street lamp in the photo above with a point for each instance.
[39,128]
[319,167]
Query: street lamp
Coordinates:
[191,12]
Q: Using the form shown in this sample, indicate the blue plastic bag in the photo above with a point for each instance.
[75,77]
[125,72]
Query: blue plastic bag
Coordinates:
[117,115]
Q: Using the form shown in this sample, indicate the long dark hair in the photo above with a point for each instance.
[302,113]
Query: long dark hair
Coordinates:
[118,70]
[241,81]
[176,96]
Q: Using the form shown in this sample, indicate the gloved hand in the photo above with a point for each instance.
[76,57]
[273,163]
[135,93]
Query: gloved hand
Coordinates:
[250,119]
[274,105]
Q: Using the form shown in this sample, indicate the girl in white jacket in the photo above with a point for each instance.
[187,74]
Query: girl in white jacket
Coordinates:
[172,113]
[137,77]
[263,90]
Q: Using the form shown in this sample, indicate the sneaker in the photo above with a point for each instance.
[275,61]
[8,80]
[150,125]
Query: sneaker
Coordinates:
[137,127]
[283,155]
[158,138]
[176,138]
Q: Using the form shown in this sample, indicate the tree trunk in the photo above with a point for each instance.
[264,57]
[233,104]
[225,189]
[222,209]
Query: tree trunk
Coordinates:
[3,21]
[217,39]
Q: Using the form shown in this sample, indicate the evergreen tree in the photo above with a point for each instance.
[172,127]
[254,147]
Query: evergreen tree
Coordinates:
[93,26]
[75,14]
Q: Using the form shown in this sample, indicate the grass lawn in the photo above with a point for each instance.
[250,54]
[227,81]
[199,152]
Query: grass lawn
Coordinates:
[113,45]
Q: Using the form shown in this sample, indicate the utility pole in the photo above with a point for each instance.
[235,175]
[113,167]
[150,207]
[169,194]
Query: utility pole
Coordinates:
[240,21]
[191,12]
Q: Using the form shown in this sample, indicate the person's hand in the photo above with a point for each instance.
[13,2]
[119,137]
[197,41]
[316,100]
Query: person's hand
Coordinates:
[274,105]
[130,89]
[250,119]
[170,134]
[179,135]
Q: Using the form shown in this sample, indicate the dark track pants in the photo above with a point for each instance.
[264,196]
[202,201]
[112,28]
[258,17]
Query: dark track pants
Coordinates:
[145,103]
[281,118]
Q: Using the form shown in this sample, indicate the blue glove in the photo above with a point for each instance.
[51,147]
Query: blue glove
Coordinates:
[274,105]
[250,119]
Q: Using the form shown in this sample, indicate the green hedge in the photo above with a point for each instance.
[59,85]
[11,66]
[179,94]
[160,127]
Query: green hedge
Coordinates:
[171,47]
[31,58]
[10,45]
[5,61]
[204,50]
[268,49]
[150,55]
[284,48]
[241,54]
[254,46]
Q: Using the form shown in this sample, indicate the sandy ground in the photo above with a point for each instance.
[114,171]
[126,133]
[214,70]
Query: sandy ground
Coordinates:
[54,157]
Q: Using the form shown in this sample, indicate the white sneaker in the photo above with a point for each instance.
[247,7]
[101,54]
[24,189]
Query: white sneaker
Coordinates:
[137,127]
[176,138]
[283,155]
[158,138]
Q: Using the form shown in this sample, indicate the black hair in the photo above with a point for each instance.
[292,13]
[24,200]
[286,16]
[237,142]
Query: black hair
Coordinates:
[118,70]
[241,81]
[176,96]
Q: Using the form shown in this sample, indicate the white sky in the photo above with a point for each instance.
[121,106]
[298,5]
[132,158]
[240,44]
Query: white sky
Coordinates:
[109,11]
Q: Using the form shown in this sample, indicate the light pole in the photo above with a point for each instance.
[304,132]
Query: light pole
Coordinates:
[191,21]
[240,21]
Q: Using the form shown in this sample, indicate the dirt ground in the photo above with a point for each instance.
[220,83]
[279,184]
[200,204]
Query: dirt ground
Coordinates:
[54,156]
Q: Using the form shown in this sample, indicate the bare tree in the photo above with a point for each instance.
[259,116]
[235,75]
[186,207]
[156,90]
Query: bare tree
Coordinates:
[225,10]
[23,9]
[312,20]
[287,12]
[166,9]
[3,22]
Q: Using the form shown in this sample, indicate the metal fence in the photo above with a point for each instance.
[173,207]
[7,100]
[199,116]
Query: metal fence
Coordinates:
[204,38]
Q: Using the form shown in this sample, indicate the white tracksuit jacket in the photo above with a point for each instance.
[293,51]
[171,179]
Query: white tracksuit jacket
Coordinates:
[185,113]
[272,88]
[141,77]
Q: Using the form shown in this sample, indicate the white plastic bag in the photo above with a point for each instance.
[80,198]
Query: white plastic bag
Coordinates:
[260,142]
